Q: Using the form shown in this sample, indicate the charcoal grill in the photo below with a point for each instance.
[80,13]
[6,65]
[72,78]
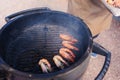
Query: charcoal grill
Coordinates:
[31,35]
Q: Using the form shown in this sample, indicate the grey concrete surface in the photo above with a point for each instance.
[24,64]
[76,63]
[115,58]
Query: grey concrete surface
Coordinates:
[110,39]
[8,7]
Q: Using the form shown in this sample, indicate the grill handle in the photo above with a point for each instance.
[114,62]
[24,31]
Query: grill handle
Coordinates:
[24,12]
[98,49]
[3,72]
[3,65]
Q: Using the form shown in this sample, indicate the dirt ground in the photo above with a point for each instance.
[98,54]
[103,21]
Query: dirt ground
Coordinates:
[110,39]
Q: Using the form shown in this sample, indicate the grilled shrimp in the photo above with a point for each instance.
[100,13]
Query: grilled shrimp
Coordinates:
[45,65]
[68,38]
[68,51]
[69,45]
[64,52]
[59,61]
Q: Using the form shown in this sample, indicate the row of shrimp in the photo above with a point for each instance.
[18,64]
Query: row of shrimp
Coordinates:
[64,53]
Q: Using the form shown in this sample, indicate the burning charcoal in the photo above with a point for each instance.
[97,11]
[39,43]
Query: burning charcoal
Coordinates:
[67,54]
[69,45]
[59,61]
[68,38]
[45,65]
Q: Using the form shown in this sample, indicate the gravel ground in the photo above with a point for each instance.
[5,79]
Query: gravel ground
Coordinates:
[110,39]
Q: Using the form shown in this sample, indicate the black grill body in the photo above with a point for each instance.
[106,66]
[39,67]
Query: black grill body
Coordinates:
[32,35]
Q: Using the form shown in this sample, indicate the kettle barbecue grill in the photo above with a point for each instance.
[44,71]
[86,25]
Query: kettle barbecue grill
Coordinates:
[31,35]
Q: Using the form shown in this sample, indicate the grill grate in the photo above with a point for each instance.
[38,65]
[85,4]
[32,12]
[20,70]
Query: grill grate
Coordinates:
[33,44]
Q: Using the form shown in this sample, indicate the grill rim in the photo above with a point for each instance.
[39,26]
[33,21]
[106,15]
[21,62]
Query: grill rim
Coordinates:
[81,60]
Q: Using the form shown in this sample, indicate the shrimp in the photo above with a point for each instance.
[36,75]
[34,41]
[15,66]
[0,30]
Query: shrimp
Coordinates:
[59,62]
[45,65]
[69,45]
[68,38]
[66,54]
[68,51]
